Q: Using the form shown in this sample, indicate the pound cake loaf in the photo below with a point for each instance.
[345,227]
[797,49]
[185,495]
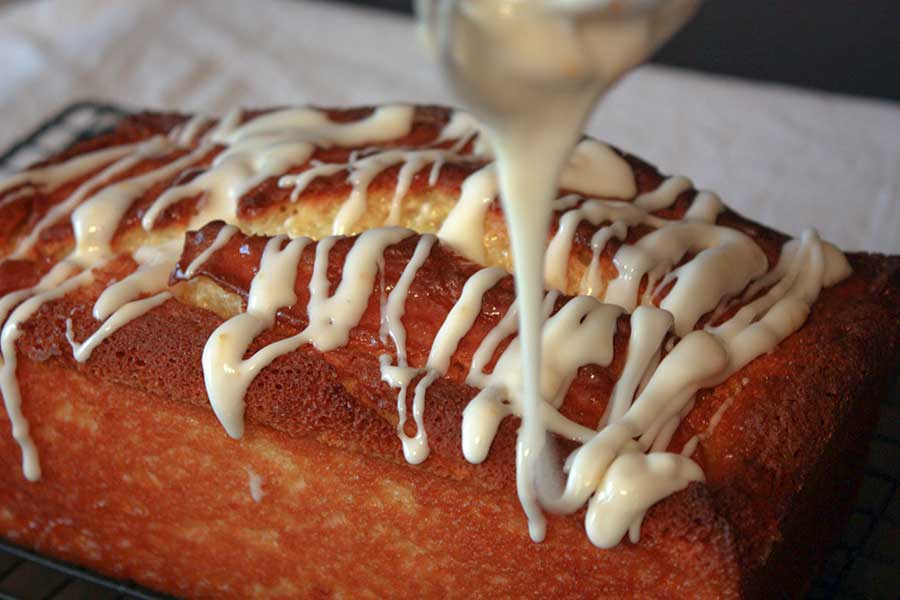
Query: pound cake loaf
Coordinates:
[274,355]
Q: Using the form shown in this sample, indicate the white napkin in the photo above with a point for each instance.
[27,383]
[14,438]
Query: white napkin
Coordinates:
[787,158]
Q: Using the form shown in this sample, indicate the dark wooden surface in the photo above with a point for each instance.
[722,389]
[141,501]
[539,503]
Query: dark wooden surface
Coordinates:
[847,46]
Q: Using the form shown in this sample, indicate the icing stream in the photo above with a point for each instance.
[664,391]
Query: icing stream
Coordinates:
[533,71]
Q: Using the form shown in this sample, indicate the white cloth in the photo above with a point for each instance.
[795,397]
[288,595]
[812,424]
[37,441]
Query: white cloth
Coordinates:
[785,157]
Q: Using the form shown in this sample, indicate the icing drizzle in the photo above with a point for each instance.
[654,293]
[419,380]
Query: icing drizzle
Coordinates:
[701,267]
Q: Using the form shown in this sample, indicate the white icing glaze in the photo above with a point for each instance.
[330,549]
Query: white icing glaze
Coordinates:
[361,174]
[664,195]
[130,156]
[556,261]
[222,238]
[633,483]
[457,323]
[97,218]
[270,145]
[300,181]
[592,284]
[185,135]
[264,146]
[463,229]
[331,317]
[401,375]
[580,333]
[621,467]
[413,163]
[151,276]
[594,169]
[224,371]
[52,176]
[461,127]
[726,261]
[533,72]
[122,316]
[56,283]
[706,207]
[120,302]
[649,329]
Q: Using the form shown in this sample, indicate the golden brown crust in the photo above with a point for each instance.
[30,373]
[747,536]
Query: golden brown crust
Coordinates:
[766,463]
[152,490]
[267,207]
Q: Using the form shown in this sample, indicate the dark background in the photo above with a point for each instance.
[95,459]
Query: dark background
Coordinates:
[848,46]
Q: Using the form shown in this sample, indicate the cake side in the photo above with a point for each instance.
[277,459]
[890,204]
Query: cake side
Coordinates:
[150,489]
[801,428]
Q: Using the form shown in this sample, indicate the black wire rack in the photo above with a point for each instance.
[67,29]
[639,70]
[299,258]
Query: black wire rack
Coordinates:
[74,123]
[864,565]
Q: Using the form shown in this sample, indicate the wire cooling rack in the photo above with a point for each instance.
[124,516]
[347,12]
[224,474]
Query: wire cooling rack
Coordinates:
[74,123]
[864,565]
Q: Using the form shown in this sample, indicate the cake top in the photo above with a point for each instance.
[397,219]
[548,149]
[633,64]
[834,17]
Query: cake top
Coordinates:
[696,280]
